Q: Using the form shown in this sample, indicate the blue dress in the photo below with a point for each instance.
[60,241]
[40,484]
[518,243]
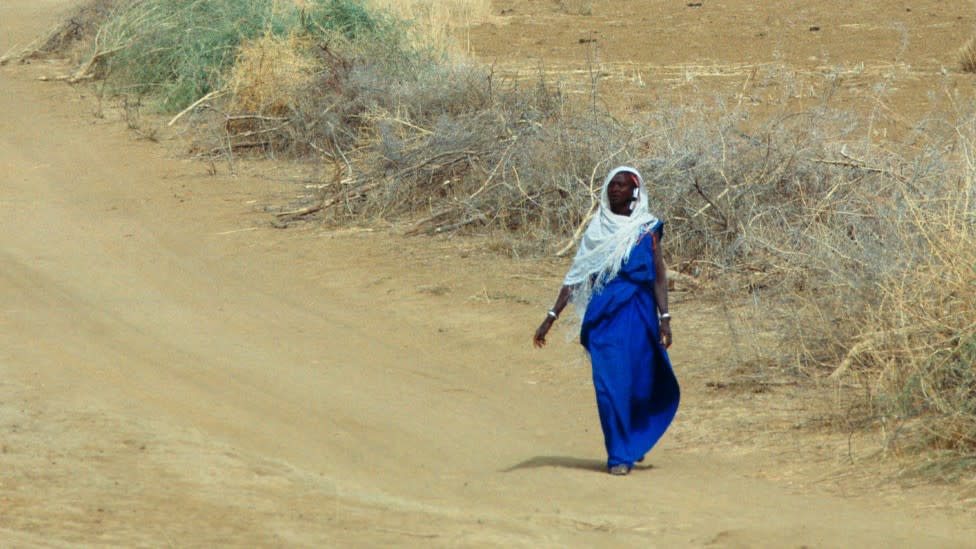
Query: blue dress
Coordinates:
[637,393]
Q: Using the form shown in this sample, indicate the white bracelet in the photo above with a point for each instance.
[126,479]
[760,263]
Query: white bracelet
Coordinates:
[665,315]
[552,314]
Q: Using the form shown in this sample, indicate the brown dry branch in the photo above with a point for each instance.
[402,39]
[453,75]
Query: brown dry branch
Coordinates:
[263,131]
[247,145]
[301,212]
[451,227]
[577,233]
[357,191]
[212,95]
[100,51]
[491,175]
[419,226]
[438,160]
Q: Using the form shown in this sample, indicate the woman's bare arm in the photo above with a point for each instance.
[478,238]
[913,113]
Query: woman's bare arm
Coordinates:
[661,295]
[539,339]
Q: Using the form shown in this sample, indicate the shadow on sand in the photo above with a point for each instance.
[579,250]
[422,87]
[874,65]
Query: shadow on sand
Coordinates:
[567,463]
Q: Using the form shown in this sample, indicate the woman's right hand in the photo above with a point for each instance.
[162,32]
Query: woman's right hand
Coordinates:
[539,339]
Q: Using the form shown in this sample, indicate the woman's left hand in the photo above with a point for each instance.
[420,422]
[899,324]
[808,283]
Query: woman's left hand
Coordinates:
[666,332]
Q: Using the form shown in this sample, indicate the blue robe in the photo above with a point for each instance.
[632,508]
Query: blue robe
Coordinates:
[637,393]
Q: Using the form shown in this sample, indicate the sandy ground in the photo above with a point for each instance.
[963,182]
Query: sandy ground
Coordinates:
[895,63]
[175,372]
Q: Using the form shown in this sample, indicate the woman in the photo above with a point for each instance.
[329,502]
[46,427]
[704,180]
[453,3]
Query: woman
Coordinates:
[618,283]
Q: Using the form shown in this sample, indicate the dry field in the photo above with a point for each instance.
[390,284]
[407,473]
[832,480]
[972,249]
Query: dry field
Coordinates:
[897,61]
[176,372]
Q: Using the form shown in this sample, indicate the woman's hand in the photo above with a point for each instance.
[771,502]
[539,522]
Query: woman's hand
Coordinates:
[666,332]
[539,339]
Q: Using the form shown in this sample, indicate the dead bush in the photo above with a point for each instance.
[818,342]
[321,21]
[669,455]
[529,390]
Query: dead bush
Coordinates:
[268,75]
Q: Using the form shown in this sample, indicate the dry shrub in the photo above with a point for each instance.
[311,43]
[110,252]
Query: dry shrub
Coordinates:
[890,308]
[456,149]
[967,56]
[743,195]
[917,349]
[266,83]
[269,74]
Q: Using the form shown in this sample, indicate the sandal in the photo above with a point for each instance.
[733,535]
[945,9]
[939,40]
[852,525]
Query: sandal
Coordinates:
[620,469]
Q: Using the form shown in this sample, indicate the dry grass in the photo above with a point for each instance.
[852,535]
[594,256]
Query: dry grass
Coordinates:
[438,24]
[967,56]
[892,319]
[918,348]
[269,74]
[576,7]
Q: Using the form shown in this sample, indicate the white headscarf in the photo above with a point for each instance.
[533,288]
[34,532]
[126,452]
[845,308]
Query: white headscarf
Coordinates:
[607,242]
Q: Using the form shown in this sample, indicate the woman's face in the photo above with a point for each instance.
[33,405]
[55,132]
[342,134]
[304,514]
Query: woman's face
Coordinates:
[620,192]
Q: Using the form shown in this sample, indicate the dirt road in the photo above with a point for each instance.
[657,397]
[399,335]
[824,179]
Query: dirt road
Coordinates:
[174,371]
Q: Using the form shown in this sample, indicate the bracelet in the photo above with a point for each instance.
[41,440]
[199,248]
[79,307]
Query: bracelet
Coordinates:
[665,316]
[552,314]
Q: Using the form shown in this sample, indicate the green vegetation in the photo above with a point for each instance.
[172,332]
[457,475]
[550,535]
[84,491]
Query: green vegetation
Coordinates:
[179,50]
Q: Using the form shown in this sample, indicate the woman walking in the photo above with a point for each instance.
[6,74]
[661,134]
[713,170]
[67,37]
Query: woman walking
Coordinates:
[618,283]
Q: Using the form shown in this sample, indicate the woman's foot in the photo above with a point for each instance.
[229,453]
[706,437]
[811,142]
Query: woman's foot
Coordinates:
[619,469]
